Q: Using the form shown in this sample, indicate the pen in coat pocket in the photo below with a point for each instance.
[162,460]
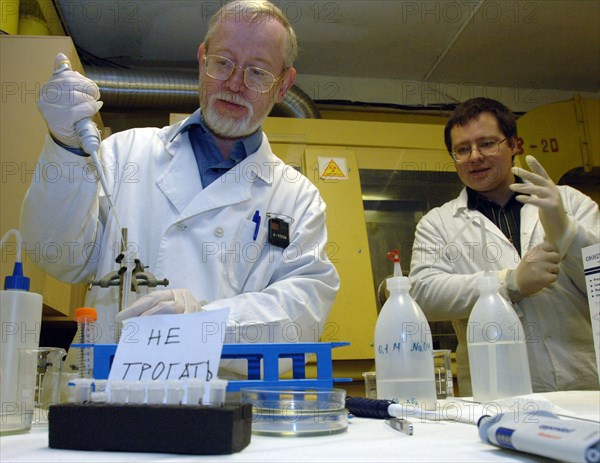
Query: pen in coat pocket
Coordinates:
[256,220]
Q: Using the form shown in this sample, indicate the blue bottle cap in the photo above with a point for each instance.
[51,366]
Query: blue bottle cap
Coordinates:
[17,280]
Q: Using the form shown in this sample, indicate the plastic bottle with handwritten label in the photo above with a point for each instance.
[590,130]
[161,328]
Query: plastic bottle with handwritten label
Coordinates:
[403,347]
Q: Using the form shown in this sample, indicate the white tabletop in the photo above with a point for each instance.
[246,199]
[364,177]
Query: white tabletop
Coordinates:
[365,440]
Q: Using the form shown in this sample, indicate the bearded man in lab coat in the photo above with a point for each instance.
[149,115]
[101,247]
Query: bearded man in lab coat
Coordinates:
[195,197]
[537,230]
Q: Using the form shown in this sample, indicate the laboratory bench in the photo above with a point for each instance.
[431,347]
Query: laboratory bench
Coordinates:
[365,440]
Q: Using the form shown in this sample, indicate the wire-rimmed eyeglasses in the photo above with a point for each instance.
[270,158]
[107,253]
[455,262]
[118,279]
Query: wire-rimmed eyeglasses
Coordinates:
[489,147]
[255,78]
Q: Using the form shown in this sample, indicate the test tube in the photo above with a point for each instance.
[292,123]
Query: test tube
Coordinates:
[156,392]
[136,391]
[195,391]
[118,392]
[82,389]
[99,393]
[86,335]
[217,390]
[174,392]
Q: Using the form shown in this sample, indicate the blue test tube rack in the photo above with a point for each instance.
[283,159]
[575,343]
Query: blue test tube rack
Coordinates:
[269,354]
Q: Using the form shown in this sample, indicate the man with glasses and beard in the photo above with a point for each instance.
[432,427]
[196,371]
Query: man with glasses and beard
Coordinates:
[207,205]
[535,231]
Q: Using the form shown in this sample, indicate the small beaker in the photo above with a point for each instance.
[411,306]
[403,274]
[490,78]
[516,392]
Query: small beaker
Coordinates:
[39,380]
[442,365]
[370,384]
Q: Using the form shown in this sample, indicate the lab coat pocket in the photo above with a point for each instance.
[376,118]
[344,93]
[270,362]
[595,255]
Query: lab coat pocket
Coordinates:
[244,267]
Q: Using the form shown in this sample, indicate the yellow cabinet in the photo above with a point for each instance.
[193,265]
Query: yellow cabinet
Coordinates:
[26,63]
[353,315]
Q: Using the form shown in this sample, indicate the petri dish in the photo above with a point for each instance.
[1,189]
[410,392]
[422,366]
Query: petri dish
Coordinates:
[296,411]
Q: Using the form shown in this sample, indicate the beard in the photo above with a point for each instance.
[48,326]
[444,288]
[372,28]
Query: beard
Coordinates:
[225,126]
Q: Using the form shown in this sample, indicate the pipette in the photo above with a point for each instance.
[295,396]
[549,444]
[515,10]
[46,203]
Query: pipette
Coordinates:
[89,137]
[456,409]
[386,409]
[381,409]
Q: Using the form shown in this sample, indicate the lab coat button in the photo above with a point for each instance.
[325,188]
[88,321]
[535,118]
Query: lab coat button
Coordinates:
[219,232]
[180,226]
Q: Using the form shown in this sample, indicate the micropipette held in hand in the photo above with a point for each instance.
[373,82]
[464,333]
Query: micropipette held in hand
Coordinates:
[89,137]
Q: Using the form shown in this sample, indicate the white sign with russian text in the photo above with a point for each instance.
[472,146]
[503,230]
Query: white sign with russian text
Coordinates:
[166,347]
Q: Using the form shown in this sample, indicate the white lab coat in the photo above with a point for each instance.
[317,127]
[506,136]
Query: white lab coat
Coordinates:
[199,239]
[447,261]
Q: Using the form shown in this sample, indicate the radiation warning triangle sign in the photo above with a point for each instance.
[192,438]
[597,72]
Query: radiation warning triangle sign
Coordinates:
[333,168]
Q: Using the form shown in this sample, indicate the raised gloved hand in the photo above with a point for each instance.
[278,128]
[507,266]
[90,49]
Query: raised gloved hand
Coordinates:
[537,270]
[65,99]
[558,228]
[164,301]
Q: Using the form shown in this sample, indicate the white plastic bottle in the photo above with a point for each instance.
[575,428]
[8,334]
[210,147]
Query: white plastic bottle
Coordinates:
[496,343]
[403,348]
[21,321]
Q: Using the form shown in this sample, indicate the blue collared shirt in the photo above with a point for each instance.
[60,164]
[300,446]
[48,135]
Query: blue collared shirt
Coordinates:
[211,164]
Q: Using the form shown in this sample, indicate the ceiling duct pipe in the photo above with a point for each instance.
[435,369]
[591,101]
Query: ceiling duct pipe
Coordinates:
[175,91]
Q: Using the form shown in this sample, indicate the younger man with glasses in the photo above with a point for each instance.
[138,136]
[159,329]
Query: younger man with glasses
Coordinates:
[535,231]
[197,197]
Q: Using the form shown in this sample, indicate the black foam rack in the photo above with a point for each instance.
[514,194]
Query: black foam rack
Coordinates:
[182,429]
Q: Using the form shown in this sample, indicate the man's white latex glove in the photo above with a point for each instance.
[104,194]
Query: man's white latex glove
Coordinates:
[161,302]
[537,270]
[559,229]
[65,99]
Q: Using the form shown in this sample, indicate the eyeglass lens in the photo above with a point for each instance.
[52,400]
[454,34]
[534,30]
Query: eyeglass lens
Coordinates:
[255,78]
[485,147]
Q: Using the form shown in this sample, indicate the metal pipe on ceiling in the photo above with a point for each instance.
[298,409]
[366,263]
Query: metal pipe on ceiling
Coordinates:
[175,91]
